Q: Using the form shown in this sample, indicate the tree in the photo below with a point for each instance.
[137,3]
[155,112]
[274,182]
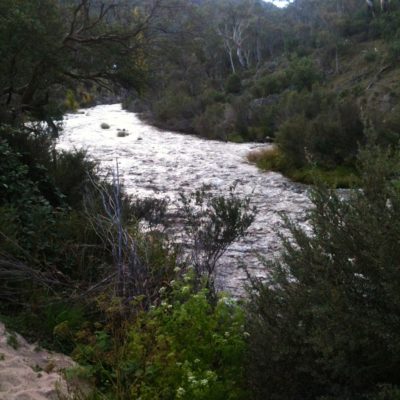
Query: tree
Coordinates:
[326,322]
[47,46]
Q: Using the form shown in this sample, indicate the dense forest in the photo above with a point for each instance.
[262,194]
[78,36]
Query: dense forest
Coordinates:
[248,71]
[92,272]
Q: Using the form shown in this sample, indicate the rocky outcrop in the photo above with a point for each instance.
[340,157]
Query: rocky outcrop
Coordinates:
[28,372]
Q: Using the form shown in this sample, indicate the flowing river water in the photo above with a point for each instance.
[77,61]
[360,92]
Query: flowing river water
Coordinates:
[155,163]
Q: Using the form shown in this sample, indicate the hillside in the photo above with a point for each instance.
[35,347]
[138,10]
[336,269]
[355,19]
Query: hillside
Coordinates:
[247,71]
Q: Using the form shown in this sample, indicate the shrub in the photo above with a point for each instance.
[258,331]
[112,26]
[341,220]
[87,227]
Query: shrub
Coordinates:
[291,139]
[386,26]
[271,84]
[394,51]
[212,123]
[211,96]
[211,224]
[240,111]
[176,104]
[72,172]
[371,56]
[334,136]
[181,348]
[29,210]
[186,349]
[269,159]
[70,103]
[324,323]
[233,84]
[302,73]
[325,134]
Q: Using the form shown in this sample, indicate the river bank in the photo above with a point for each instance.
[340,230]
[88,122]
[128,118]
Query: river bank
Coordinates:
[272,159]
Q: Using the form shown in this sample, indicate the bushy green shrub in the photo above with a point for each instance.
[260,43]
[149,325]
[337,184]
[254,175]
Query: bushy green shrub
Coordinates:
[308,104]
[355,24]
[29,210]
[271,84]
[211,224]
[233,84]
[302,73]
[388,126]
[72,173]
[213,122]
[371,56]
[335,135]
[210,96]
[35,151]
[240,111]
[386,26]
[186,349]
[324,324]
[326,133]
[292,138]
[70,102]
[394,50]
[269,159]
[174,105]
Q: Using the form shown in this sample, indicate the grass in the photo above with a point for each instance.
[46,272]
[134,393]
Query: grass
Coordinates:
[272,159]
[235,138]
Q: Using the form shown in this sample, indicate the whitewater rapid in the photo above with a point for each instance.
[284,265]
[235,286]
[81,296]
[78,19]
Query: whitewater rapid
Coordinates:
[155,163]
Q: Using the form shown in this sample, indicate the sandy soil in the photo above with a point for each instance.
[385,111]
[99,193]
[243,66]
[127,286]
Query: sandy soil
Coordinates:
[28,372]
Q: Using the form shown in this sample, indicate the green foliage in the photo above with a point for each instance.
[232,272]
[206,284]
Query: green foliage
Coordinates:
[235,138]
[233,84]
[212,122]
[211,224]
[394,50]
[22,203]
[335,135]
[324,324]
[72,173]
[386,26]
[70,101]
[210,96]
[272,159]
[45,53]
[325,134]
[186,349]
[176,105]
[371,56]
[271,84]
[291,138]
[302,73]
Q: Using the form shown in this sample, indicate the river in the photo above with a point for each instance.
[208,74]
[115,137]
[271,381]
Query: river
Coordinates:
[161,163]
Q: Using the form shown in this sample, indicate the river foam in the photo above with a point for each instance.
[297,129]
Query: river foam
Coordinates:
[155,163]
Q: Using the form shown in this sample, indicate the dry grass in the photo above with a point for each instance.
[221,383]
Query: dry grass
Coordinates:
[272,159]
[267,158]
